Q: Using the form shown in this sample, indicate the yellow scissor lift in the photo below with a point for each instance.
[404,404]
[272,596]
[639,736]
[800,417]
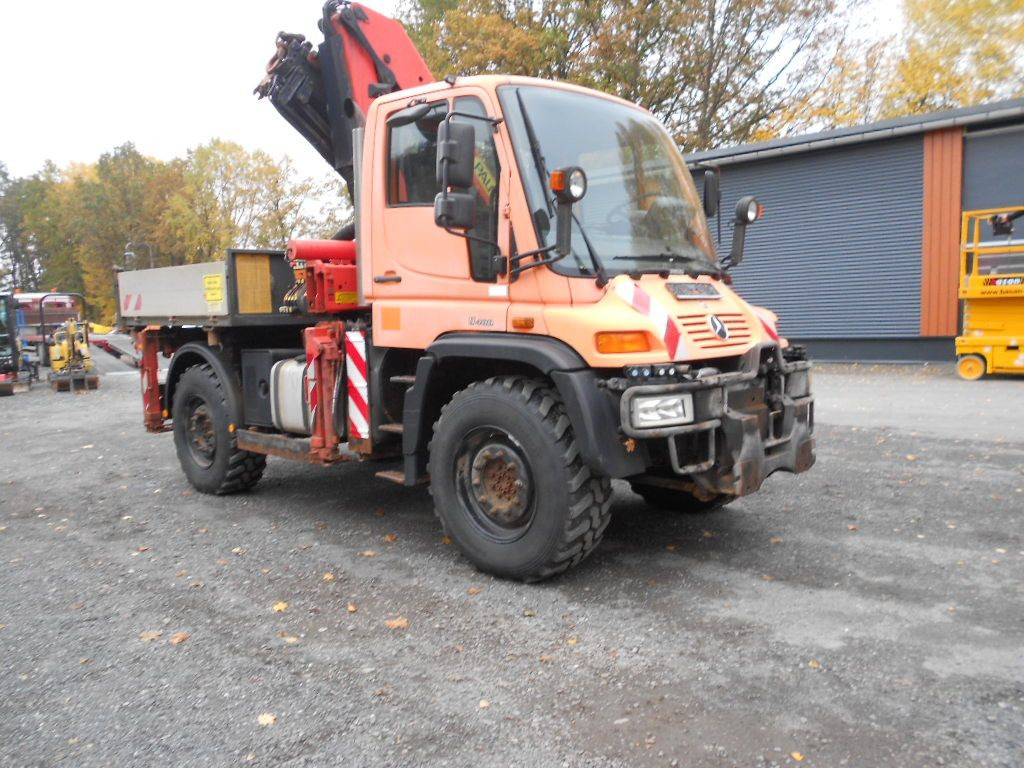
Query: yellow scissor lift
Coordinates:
[992,287]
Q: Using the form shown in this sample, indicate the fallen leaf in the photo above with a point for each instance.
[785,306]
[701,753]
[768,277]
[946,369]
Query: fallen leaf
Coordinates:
[290,639]
[264,571]
[328,577]
[814,664]
[280,607]
[798,756]
[352,607]
[484,704]
[671,547]
[221,561]
[203,530]
[572,641]
[529,612]
[381,692]
[143,549]
[150,635]
[267,718]
[399,622]
[391,538]
[545,659]
[473,591]
[458,648]
[852,527]
[181,574]
[775,540]
[3,626]
[237,551]
[368,553]
[178,638]
[911,457]
[446,540]
[197,584]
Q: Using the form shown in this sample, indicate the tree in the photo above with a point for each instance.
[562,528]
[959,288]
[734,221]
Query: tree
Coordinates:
[957,54]
[714,71]
[234,198]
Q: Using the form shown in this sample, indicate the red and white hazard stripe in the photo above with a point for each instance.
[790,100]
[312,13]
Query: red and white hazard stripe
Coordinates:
[768,320]
[357,375]
[641,301]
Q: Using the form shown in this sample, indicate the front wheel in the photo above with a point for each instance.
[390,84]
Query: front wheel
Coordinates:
[508,482]
[204,436]
[971,367]
[679,501]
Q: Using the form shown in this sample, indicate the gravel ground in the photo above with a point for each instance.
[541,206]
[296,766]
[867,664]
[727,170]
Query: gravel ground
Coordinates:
[867,613]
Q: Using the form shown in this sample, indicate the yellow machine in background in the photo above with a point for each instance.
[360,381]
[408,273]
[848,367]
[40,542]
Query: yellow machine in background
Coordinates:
[992,287]
[71,365]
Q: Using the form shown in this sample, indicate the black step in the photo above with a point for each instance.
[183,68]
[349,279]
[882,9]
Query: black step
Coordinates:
[402,379]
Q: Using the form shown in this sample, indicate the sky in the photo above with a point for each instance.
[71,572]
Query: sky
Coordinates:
[83,78]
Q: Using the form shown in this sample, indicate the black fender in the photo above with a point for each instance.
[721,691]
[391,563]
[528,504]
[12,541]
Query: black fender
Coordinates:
[197,353]
[592,410]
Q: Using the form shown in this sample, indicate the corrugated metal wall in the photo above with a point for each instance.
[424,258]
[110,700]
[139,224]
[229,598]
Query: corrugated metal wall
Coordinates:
[838,254]
[994,168]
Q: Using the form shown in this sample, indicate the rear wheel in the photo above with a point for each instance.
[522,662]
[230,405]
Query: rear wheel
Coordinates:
[676,500]
[508,482]
[971,367]
[204,437]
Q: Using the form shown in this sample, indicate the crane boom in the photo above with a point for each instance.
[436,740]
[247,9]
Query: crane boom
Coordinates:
[325,93]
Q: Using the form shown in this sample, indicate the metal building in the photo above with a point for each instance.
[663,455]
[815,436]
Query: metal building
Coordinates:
[858,252]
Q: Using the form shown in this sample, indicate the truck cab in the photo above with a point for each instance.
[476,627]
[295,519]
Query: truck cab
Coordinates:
[528,305]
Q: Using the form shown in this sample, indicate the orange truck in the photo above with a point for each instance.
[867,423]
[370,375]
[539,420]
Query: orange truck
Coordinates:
[527,305]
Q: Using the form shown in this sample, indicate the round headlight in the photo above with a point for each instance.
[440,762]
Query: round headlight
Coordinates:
[577,184]
[752,211]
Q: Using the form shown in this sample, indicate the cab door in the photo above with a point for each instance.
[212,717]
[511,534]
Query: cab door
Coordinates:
[425,280]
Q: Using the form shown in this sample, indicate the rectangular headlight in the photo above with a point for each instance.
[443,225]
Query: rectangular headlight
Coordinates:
[662,410]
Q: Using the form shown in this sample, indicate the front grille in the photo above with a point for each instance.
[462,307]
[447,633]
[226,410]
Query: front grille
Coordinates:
[697,330]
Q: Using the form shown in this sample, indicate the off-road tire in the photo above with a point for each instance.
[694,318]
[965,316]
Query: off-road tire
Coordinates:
[679,501]
[569,505]
[229,469]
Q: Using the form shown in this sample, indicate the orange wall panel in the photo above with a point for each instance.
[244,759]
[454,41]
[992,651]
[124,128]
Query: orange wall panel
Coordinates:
[940,245]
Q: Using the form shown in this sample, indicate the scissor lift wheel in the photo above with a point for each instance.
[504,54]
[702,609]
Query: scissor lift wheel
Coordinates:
[971,367]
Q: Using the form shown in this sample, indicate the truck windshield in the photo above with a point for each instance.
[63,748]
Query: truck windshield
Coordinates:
[641,212]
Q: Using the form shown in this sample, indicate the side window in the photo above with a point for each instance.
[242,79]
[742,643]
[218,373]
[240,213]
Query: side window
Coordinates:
[412,152]
[486,172]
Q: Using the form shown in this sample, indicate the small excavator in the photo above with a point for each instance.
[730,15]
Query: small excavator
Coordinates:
[71,366]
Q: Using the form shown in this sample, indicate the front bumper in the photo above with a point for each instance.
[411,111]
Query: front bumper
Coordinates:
[746,425]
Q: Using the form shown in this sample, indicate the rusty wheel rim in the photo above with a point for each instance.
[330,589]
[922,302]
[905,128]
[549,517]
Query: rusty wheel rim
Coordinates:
[199,429]
[495,483]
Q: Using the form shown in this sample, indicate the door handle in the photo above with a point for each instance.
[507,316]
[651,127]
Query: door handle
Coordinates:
[387,278]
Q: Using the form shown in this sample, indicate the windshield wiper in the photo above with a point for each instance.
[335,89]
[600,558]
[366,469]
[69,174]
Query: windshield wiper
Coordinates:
[602,275]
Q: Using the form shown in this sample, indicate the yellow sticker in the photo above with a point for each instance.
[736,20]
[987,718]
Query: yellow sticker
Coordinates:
[345,297]
[213,287]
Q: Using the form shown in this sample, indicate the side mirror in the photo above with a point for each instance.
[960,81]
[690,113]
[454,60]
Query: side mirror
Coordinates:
[455,146]
[712,192]
[748,210]
[569,185]
[410,114]
[455,210]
